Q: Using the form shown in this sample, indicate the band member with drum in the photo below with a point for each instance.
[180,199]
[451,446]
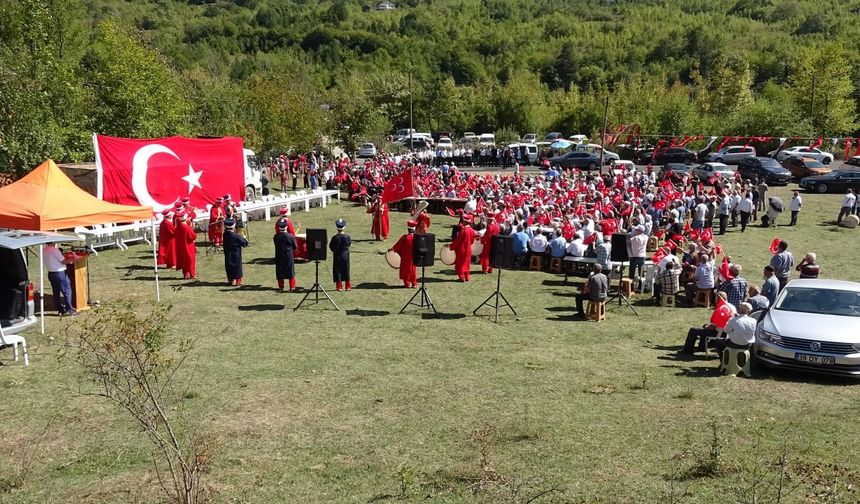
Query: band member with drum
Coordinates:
[233,244]
[379,210]
[339,246]
[216,222]
[421,217]
[285,266]
[408,271]
[492,230]
[462,247]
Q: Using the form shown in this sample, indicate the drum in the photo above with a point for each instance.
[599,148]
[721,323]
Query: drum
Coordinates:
[447,256]
[301,253]
[393,259]
[477,248]
[850,221]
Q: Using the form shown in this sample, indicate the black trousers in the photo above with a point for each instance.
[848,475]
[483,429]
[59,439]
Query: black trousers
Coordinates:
[724,219]
[745,219]
[698,333]
[793,217]
[580,299]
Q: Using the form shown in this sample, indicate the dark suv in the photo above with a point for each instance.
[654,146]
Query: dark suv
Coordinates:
[754,167]
[675,155]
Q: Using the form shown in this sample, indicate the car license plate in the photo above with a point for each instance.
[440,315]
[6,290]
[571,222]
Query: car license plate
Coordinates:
[814,359]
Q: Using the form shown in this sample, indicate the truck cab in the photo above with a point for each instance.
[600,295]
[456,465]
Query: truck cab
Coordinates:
[253,175]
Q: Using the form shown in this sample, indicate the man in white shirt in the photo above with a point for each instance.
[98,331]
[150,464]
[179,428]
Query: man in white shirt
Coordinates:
[637,243]
[576,248]
[55,262]
[847,205]
[794,206]
[537,247]
[699,213]
[745,207]
[740,330]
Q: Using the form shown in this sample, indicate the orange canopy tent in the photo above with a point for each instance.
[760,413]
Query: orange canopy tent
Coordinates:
[47,199]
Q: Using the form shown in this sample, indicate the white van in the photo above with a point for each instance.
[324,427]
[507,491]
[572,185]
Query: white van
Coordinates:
[530,148]
[487,139]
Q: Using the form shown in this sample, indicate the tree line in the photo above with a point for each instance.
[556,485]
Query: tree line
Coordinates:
[292,74]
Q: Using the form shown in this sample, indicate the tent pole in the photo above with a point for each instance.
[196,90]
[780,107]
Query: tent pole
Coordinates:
[42,287]
[155,262]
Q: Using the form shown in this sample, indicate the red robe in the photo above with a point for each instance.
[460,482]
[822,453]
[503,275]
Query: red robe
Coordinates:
[487,241]
[379,229]
[423,221]
[408,271]
[216,224]
[462,247]
[186,252]
[166,244]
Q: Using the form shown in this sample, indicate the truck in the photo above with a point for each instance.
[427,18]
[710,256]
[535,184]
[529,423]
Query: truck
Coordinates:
[253,175]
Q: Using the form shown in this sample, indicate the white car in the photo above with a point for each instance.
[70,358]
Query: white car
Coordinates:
[802,151]
[732,154]
[529,137]
[813,326]
[445,143]
[705,171]
[367,150]
[578,139]
[622,166]
[487,139]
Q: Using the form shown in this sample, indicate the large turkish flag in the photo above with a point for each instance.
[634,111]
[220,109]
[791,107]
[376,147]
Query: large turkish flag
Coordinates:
[399,187]
[160,171]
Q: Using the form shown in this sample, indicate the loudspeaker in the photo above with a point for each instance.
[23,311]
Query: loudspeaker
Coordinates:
[423,249]
[619,248]
[502,251]
[317,239]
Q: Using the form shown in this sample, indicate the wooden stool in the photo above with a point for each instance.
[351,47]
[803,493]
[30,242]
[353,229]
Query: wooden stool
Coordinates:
[703,297]
[627,287]
[536,263]
[667,300]
[652,244]
[736,361]
[555,265]
[596,310]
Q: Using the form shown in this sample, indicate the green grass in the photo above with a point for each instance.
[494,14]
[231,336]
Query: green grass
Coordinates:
[366,405]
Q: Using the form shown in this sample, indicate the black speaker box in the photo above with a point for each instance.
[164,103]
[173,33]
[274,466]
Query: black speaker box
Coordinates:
[502,251]
[317,240]
[424,249]
[619,248]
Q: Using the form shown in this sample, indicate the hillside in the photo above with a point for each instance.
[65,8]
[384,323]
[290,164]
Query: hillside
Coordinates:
[262,68]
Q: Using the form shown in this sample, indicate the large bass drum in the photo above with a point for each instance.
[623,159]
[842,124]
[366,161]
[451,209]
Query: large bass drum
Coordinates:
[447,256]
[393,259]
[477,248]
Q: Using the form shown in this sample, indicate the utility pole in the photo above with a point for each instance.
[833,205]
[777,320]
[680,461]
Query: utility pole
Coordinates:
[603,136]
[410,110]
[812,105]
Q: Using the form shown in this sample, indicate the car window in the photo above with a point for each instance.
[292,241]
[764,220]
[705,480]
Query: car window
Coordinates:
[818,300]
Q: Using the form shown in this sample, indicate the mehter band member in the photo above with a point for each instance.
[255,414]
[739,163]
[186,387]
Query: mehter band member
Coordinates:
[233,244]
[339,246]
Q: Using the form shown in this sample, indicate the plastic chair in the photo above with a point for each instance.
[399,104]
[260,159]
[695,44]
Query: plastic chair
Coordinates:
[14,340]
[703,297]
[667,300]
[735,361]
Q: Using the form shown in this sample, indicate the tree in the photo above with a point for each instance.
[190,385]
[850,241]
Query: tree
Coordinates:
[354,117]
[521,104]
[726,89]
[829,106]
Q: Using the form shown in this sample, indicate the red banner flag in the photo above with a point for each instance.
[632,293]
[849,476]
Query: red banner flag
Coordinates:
[774,246]
[707,234]
[399,187]
[158,172]
[817,143]
[847,149]
[723,312]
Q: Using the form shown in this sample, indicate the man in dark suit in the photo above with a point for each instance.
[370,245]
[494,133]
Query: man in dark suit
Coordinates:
[339,246]
[285,247]
[233,244]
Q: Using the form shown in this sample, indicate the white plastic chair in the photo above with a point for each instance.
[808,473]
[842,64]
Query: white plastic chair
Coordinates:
[14,340]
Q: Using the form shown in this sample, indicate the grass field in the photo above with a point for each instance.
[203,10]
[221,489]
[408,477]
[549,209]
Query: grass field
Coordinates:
[364,405]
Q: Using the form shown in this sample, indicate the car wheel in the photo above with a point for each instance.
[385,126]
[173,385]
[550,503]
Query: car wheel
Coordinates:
[826,161]
[250,194]
[592,166]
[822,188]
[719,160]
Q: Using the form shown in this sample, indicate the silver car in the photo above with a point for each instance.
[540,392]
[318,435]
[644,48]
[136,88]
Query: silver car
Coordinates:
[814,325]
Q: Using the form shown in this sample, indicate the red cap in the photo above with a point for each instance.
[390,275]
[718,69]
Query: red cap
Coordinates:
[283,211]
[411,224]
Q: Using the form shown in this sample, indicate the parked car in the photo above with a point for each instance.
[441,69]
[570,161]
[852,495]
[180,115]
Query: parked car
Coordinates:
[769,168]
[578,139]
[418,143]
[705,171]
[444,143]
[853,161]
[551,137]
[732,154]
[835,181]
[595,148]
[678,169]
[529,150]
[575,159]
[17,309]
[487,139]
[804,167]
[804,151]
[676,155]
[814,325]
[621,166]
[368,150]
[529,137]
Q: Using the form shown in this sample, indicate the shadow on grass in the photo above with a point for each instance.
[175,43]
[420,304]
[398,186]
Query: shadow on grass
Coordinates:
[262,307]
[793,376]
[201,283]
[135,267]
[252,288]
[566,318]
[699,372]
[262,260]
[442,316]
[560,308]
[367,313]
[556,283]
[564,294]
[373,286]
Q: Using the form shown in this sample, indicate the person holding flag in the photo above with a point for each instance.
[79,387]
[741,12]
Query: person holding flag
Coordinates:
[408,271]
[379,224]
[723,312]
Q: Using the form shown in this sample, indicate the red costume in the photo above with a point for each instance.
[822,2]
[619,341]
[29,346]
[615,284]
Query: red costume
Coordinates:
[408,271]
[379,229]
[423,223]
[216,223]
[166,243]
[487,241]
[186,252]
[462,247]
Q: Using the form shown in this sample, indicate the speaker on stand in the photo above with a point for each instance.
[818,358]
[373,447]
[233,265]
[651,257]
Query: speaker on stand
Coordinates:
[618,254]
[317,239]
[423,254]
[501,257]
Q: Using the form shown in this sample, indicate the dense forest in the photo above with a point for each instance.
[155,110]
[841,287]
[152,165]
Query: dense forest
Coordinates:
[287,74]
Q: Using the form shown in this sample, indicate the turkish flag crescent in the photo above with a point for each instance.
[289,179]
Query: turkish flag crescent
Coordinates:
[160,171]
[723,312]
[399,187]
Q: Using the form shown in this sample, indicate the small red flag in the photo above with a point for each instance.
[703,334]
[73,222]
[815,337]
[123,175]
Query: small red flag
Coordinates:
[707,234]
[723,312]
[774,246]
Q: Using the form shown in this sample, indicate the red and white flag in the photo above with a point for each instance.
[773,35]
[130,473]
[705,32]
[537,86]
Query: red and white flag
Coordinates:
[399,187]
[723,312]
[160,171]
